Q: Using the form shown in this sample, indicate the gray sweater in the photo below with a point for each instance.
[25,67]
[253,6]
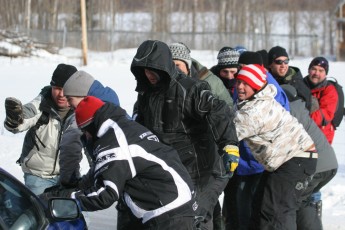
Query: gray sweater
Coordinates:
[327,159]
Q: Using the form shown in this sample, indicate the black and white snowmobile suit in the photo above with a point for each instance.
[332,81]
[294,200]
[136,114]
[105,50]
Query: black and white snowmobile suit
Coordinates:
[132,164]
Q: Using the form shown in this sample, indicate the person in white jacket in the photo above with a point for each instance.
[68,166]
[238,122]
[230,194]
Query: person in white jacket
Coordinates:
[279,143]
[52,149]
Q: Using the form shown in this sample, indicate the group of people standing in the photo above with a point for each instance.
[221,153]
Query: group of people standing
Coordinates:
[250,126]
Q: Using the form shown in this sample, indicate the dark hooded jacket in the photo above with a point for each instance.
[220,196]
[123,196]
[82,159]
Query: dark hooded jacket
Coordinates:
[182,111]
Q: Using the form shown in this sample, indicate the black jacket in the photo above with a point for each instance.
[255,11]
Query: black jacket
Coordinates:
[131,163]
[294,77]
[182,111]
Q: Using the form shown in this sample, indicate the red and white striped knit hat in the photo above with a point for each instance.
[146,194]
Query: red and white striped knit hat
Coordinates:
[254,75]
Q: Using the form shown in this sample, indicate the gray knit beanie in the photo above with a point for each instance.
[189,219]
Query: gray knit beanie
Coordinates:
[78,85]
[228,58]
[181,52]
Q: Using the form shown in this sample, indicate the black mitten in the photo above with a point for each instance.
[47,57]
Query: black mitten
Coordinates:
[14,113]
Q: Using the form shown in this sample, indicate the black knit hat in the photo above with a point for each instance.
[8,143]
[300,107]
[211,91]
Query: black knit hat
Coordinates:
[250,57]
[61,74]
[228,58]
[276,52]
[319,61]
[264,57]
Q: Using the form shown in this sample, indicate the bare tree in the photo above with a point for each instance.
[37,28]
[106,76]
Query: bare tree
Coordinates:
[223,8]
[28,15]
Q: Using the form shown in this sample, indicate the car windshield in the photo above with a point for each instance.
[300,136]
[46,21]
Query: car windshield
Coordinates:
[17,209]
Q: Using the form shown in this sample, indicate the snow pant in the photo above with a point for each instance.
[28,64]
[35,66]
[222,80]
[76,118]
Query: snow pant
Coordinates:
[309,215]
[230,205]
[125,218]
[182,217]
[245,192]
[218,222]
[207,195]
[238,196]
[276,199]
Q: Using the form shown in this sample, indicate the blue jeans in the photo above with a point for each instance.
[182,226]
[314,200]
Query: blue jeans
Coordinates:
[38,184]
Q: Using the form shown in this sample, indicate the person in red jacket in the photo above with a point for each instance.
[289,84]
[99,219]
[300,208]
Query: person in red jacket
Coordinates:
[324,96]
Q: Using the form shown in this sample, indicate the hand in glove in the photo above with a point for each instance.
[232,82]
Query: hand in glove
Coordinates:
[231,158]
[14,113]
[314,104]
[56,191]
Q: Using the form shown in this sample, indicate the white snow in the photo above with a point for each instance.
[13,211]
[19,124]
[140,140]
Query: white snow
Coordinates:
[24,77]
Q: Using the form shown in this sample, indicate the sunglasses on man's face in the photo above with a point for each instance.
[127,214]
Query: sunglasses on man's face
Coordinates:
[279,61]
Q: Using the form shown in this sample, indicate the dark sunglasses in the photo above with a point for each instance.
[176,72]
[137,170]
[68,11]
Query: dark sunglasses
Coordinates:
[279,62]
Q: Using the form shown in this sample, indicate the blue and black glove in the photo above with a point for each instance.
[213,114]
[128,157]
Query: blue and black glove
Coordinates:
[231,158]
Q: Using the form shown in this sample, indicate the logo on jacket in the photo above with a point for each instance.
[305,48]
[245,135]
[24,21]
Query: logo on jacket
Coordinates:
[150,136]
[106,158]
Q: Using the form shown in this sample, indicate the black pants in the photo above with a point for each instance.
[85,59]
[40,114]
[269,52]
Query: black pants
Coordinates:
[309,213]
[180,218]
[207,196]
[125,218]
[276,199]
[245,192]
[229,211]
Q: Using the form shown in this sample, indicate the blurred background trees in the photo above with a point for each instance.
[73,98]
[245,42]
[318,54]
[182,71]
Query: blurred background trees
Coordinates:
[304,27]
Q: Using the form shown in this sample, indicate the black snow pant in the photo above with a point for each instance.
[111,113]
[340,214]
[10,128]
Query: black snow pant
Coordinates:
[180,218]
[230,205]
[276,199]
[309,214]
[207,195]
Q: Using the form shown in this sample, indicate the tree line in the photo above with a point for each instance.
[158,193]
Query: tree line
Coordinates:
[228,16]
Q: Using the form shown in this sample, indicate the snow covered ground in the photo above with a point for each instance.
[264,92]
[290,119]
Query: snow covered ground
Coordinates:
[24,77]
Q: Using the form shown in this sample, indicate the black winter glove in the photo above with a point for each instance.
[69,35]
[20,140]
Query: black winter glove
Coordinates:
[56,191]
[14,113]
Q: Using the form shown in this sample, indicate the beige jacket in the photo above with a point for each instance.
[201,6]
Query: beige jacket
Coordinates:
[273,135]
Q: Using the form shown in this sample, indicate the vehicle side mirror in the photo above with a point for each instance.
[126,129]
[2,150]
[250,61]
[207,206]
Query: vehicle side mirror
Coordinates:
[63,209]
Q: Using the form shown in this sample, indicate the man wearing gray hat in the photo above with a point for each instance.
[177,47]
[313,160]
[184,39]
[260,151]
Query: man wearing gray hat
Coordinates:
[191,67]
[82,84]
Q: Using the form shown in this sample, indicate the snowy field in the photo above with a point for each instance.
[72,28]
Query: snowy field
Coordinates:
[24,77]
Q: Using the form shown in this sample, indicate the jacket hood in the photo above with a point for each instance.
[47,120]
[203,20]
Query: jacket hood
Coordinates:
[106,94]
[199,70]
[154,55]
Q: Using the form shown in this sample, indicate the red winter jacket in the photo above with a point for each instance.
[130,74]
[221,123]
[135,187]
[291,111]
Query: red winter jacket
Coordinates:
[327,96]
